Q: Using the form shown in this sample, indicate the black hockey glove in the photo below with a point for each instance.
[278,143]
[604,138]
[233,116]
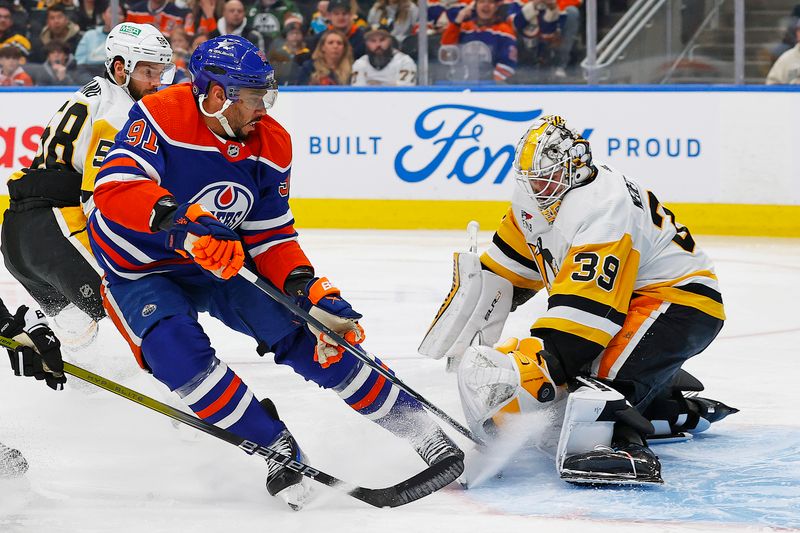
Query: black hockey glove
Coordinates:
[39,353]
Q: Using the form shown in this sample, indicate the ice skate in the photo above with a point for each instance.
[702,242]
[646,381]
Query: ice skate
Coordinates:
[283,482]
[12,463]
[630,463]
[709,411]
[436,446]
[679,417]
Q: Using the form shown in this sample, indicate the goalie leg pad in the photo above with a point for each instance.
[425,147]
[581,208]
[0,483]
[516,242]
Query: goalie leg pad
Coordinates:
[477,305]
[589,449]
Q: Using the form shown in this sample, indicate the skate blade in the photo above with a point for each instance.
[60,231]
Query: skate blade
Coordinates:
[666,439]
[593,479]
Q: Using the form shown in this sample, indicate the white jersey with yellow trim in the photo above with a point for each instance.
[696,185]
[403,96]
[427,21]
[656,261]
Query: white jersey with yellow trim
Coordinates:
[81,132]
[610,241]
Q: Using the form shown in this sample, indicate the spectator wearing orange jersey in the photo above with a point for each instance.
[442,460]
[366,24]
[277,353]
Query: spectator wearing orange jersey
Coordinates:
[11,73]
[205,14]
[163,14]
[483,21]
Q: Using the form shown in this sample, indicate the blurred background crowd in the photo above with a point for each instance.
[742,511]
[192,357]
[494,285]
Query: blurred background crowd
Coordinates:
[371,42]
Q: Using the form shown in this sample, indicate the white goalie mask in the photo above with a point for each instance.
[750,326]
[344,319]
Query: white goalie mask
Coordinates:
[550,159]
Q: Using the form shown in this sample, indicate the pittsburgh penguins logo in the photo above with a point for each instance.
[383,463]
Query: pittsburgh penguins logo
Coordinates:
[546,263]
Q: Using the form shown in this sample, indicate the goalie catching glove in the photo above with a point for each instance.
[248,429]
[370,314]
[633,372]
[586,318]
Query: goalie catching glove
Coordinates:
[513,377]
[192,231]
[39,352]
[325,303]
[540,372]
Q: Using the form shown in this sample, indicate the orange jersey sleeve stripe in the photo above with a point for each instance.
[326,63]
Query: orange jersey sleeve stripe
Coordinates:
[129,203]
[276,263]
[254,239]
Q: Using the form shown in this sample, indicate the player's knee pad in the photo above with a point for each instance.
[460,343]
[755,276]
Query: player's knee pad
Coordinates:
[477,306]
[176,350]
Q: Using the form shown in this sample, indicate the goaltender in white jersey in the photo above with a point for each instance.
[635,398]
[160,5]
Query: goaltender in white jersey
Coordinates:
[630,298]
[382,64]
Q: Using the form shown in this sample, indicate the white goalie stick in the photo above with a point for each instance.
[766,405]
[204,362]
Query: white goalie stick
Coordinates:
[426,482]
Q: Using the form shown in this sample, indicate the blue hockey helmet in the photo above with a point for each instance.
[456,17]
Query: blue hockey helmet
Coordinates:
[234,63]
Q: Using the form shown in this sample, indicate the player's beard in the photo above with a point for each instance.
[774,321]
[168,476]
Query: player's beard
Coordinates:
[239,133]
[138,93]
[380,58]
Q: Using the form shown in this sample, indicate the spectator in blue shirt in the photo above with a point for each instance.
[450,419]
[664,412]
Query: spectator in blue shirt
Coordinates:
[91,48]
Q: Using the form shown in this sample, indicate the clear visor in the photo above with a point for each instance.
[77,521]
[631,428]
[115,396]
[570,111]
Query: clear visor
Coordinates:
[256,98]
[546,185]
[147,72]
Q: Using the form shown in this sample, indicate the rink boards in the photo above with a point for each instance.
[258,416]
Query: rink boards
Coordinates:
[723,158]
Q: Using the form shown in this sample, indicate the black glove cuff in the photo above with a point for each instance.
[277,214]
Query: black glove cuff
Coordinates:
[297,280]
[161,215]
[555,367]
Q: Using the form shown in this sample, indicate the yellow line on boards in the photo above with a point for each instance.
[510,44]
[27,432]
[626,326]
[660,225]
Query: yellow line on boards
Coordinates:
[706,219]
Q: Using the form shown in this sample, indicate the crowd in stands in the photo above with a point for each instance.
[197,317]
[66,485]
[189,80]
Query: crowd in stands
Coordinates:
[317,42]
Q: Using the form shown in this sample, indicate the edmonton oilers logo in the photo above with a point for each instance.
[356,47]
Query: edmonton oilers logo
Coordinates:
[229,202]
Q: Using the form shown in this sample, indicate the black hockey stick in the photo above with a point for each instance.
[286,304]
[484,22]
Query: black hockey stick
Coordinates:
[357,351]
[426,482]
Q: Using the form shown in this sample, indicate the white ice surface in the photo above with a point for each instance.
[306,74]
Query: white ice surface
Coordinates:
[101,463]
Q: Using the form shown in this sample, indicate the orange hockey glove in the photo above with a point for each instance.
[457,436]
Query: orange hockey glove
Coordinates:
[211,244]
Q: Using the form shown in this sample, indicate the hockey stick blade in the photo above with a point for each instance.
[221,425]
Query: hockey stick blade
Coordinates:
[356,351]
[435,477]
[423,484]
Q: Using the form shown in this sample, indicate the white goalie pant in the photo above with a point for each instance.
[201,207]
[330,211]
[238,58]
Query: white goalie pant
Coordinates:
[489,380]
[474,311]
